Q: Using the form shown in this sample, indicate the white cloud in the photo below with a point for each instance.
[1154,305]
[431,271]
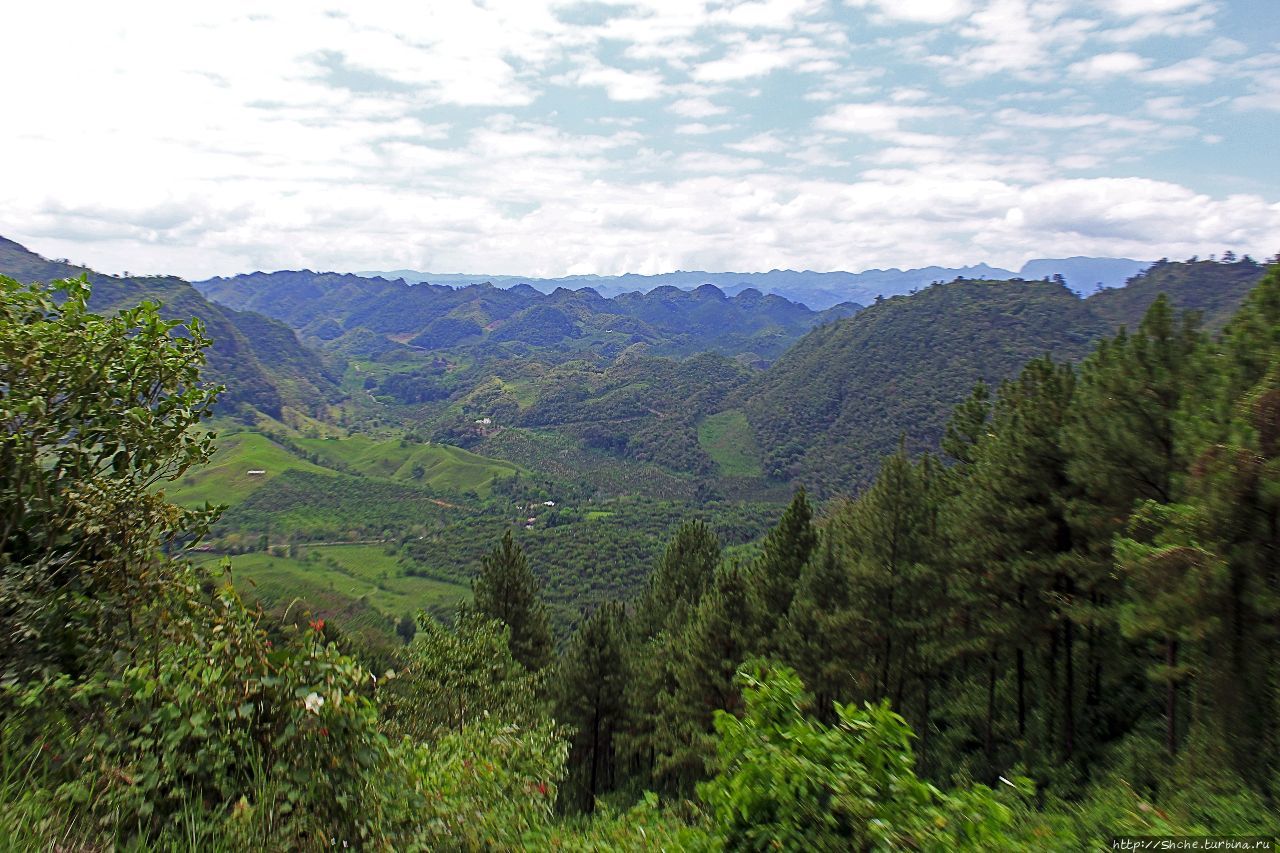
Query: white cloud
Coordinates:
[697,108]
[761,143]
[1133,8]
[1078,162]
[916,11]
[1264,91]
[621,85]
[698,128]
[765,14]
[1021,37]
[749,58]
[1170,107]
[1196,71]
[707,161]
[1109,65]
[876,119]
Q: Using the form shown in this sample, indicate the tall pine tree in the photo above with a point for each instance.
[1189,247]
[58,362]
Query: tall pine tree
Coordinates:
[774,576]
[591,693]
[707,655]
[823,632]
[507,590]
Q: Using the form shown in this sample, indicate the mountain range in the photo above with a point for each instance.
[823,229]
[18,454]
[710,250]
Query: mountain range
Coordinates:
[340,310]
[844,396]
[658,391]
[817,290]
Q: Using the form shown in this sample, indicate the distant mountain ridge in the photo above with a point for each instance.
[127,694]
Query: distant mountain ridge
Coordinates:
[341,309]
[817,290]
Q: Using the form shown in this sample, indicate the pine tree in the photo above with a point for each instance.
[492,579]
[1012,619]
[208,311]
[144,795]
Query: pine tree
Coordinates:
[1014,575]
[967,424]
[784,553]
[676,587]
[1123,448]
[679,580]
[821,637]
[716,641]
[886,534]
[507,590]
[1203,572]
[591,687]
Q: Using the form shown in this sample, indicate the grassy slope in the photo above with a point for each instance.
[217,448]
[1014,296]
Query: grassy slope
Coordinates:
[444,467]
[727,439]
[336,578]
[226,478]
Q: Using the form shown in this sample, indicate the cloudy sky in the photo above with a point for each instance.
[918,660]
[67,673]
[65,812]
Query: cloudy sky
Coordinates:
[546,138]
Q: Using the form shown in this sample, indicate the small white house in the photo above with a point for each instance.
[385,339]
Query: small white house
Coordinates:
[548,503]
[256,472]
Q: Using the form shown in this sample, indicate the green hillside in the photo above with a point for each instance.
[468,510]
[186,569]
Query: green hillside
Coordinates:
[344,575]
[844,396]
[437,466]
[226,479]
[434,467]
[847,393]
[1214,290]
[258,359]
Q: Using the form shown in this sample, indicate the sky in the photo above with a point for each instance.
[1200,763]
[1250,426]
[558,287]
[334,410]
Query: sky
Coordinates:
[547,138]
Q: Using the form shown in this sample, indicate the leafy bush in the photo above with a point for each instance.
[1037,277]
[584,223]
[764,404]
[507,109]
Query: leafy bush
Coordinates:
[787,781]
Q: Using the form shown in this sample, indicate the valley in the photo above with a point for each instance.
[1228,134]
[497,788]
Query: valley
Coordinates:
[427,419]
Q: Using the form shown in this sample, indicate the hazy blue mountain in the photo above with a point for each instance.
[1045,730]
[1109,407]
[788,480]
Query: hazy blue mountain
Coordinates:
[817,290]
[1085,275]
[670,320]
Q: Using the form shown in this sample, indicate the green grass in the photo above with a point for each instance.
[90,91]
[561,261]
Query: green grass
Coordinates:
[335,580]
[598,513]
[726,437]
[226,479]
[437,466]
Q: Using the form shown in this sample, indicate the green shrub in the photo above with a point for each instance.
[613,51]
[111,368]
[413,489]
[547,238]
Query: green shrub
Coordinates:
[789,782]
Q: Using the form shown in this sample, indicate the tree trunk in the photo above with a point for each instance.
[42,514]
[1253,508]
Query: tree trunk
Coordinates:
[595,759]
[1171,697]
[988,738]
[1069,717]
[1022,694]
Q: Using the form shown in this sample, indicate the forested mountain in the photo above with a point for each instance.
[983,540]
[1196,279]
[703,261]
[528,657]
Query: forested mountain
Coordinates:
[842,398]
[670,321]
[847,393]
[1213,289]
[260,360]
